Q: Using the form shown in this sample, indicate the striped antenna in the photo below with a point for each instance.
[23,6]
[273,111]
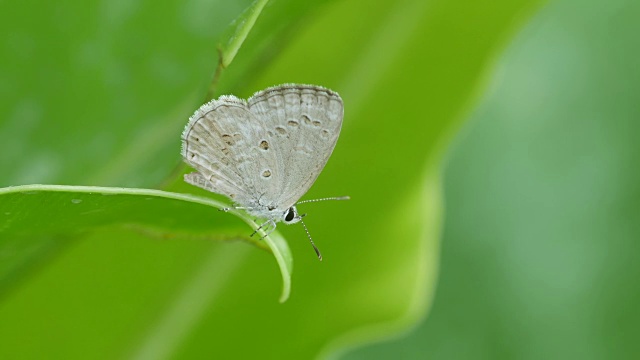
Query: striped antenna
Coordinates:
[323,199]
[310,239]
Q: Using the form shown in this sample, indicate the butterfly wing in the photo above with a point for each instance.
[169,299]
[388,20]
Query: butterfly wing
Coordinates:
[302,124]
[222,142]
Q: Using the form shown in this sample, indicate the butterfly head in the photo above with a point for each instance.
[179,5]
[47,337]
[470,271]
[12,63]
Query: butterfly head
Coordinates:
[291,216]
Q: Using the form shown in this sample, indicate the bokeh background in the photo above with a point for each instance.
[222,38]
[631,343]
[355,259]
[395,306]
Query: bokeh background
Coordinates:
[490,150]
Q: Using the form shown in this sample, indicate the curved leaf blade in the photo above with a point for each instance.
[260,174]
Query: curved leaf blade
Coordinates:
[238,32]
[49,212]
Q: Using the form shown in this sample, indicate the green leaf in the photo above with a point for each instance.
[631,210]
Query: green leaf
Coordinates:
[540,248]
[52,212]
[240,28]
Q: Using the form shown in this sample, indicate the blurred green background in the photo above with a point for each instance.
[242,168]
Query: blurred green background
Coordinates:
[489,149]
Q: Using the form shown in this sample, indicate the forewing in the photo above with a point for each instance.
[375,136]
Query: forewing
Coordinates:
[302,125]
[222,141]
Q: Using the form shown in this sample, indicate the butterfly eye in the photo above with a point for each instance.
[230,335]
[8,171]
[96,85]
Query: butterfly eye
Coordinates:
[290,215]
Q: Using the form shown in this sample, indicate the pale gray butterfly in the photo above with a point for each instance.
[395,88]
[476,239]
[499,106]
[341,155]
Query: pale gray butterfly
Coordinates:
[266,152]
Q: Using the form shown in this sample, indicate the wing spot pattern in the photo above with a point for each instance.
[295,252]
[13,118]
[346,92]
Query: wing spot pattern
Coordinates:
[313,109]
[228,139]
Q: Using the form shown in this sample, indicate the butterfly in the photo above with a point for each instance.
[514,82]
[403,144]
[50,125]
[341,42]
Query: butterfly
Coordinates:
[266,152]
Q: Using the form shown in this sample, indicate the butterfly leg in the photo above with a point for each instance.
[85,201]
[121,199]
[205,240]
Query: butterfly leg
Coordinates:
[264,226]
[235,208]
[272,229]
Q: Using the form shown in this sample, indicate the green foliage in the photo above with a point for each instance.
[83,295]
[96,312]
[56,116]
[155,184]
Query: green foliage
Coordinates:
[97,94]
[540,247]
[36,217]
[238,32]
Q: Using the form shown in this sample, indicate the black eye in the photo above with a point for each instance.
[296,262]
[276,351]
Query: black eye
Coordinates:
[290,215]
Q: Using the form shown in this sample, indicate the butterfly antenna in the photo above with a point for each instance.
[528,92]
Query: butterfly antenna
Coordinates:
[323,199]
[310,239]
